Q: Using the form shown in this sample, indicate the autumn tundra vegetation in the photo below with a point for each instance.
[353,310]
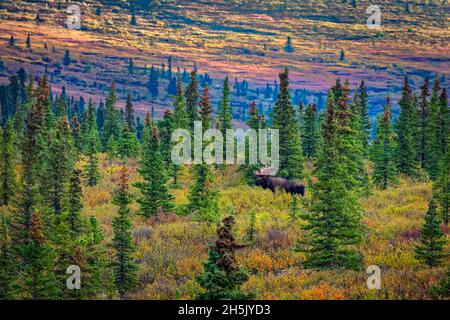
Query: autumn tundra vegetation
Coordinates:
[87,182]
[93,188]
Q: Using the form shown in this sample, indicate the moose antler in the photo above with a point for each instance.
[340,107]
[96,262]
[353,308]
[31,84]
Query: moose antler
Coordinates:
[265,171]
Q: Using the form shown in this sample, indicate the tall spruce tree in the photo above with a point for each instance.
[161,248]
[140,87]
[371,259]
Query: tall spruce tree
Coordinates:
[222,277]
[92,173]
[59,164]
[125,268]
[191,95]
[423,127]
[100,116]
[351,145]
[432,131]
[225,115]
[40,281]
[153,85]
[8,264]
[129,114]
[309,131]
[155,196]
[203,199]
[28,41]
[8,179]
[128,144]
[77,136]
[166,127]
[406,157]
[441,188]
[180,115]
[334,220]
[432,239]
[88,125]
[444,125]
[180,120]
[111,127]
[96,265]
[75,203]
[364,115]
[67,60]
[285,120]
[31,152]
[130,67]
[385,171]
[255,122]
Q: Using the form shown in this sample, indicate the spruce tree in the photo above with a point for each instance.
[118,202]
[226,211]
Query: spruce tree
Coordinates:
[406,157]
[225,116]
[139,128]
[222,277]
[75,202]
[125,268]
[67,60]
[153,83]
[254,117]
[88,125]
[8,263]
[309,131]
[180,115]
[166,127]
[59,164]
[444,125]
[385,171]
[285,120]
[128,144]
[432,132]
[155,196]
[129,114]
[289,47]
[334,219]
[349,118]
[95,267]
[19,122]
[130,67]
[192,96]
[254,122]
[111,126]
[180,120]
[432,239]
[100,116]
[12,41]
[423,127]
[203,199]
[172,87]
[441,189]
[92,174]
[40,281]
[31,153]
[77,134]
[8,180]
[363,107]
[28,41]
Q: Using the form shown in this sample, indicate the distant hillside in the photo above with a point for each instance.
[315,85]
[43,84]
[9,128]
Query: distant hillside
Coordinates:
[243,39]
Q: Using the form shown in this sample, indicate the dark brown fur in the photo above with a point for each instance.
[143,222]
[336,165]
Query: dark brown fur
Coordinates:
[273,183]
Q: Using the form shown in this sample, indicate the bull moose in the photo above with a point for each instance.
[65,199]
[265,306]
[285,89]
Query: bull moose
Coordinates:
[266,181]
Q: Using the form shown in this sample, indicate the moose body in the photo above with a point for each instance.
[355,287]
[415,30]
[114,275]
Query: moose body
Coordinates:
[272,183]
